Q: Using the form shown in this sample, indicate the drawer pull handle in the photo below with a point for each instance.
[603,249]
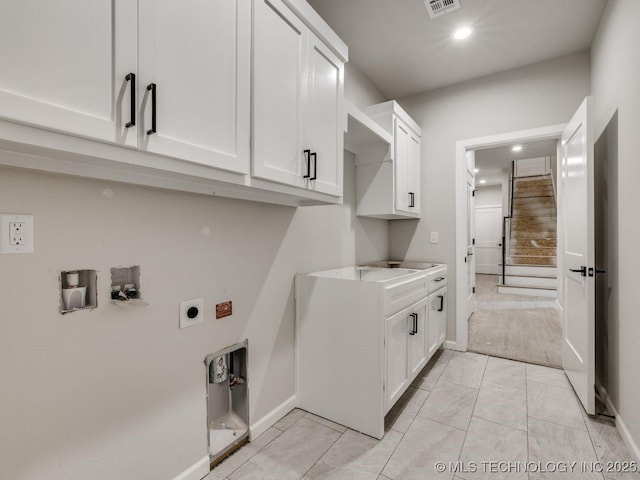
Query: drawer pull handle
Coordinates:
[412,199]
[439,279]
[315,166]
[307,157]
[441,308]
[414,328]
[131,77]
[152,88]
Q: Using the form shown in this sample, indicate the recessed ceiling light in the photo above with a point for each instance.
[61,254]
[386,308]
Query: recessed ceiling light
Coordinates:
[482,181]
[476,170]
[462,33]
[516,148]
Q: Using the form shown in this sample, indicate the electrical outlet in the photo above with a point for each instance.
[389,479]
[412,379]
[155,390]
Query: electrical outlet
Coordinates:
[434,237]
[191,312]
[16,233]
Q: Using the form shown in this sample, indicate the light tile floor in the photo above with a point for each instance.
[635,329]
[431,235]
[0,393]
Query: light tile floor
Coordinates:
[464,407]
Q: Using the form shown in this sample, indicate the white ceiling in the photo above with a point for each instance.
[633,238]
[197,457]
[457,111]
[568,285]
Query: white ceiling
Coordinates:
[402,51]
[494,163]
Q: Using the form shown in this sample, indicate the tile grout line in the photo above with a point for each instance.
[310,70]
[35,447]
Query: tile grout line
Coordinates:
[414,419]
[256,452]
[473,409]
[325,452]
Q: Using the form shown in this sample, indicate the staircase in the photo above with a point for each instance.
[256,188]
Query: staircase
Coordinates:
[530,267]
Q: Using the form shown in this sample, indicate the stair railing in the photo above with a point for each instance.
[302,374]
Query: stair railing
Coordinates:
[506,228]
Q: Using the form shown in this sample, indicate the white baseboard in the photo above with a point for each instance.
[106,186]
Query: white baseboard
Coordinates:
[620,425]
[273,416]
[197,471]
[451,345]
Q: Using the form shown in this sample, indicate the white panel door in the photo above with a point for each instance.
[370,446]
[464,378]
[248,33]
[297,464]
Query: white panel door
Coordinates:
[65,65]
[402,139]
[488,228]
[197,53]
[397,330]
[413,175]
[470,259]
[578,255]
[279,56]
[323,118]
[441,309]
[432,331]
[417,338]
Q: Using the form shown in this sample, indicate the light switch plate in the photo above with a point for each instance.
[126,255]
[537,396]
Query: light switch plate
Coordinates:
[434,237]
[16,233]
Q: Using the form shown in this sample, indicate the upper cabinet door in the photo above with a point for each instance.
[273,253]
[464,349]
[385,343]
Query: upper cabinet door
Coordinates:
[323,115]
[65,66]
[413,167]
[196,53]
[279,64]
[401,165]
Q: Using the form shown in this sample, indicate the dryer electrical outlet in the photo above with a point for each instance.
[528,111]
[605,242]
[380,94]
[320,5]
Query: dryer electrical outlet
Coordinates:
[191,312]
[16,233]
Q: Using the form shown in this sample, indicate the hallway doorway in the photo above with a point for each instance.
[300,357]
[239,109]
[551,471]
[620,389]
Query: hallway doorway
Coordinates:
[518,327]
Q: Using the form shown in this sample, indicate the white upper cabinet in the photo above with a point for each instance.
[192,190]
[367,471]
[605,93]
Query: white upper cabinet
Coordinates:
[195,59]
[65,66]
[388,180]
[297,102]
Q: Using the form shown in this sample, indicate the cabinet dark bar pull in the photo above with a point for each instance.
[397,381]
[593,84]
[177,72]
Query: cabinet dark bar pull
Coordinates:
[131,77]
[152,88]
[412,199]
[315,165]
[307,156]
[582,271]
[441,297]
[439,279]
[414,327]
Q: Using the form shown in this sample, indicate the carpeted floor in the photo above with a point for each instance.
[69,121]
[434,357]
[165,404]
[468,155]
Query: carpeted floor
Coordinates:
[518,327]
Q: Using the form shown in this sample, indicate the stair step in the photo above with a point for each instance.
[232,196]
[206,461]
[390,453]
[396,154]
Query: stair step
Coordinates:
[532,179]
[529,233]
[533,194]
[530,281]
[533,211]
[534,251]
[535,243]
[547,201]
[531,260]
[533,291]
[536,270]
[533,223]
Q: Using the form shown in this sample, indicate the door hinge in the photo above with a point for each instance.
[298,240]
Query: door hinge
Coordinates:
[473,290]
[473,194]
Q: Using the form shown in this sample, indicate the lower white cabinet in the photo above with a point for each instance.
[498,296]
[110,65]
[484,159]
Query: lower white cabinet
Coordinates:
[437,320]
[405,341]
[362,337]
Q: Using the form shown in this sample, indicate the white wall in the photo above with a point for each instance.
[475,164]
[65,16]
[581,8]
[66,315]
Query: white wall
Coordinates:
[358,89]
[615,73]
[119,393]
[488,196]
[535,96]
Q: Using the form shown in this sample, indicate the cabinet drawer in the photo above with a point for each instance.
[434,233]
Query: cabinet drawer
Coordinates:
[437,280]
[402,295]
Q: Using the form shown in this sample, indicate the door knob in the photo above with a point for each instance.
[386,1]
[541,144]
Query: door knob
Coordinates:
[582,271]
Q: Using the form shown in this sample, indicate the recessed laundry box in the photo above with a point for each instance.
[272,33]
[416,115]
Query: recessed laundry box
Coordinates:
[227,400]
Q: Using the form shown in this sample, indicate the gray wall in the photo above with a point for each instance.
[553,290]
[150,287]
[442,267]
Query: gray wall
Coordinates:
[615,73]
[119,393]
[535,96]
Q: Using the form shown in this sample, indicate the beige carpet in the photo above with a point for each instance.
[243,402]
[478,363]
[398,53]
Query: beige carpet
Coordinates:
[518,327]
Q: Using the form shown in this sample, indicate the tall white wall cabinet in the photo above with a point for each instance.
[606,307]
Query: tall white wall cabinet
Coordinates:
[388,179]
[159,93]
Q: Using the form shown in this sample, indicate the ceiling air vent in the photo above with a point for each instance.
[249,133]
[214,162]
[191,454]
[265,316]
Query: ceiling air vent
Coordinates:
[440,7]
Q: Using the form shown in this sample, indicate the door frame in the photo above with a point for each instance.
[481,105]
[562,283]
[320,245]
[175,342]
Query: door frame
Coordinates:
[462,146]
